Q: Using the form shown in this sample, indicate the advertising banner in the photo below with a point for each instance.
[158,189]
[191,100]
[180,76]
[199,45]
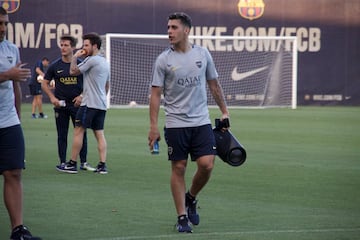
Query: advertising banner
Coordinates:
[328,32]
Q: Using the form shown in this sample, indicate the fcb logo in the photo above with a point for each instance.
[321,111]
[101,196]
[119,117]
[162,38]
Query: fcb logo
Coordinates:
[251,9]
[10,59]
[10,5]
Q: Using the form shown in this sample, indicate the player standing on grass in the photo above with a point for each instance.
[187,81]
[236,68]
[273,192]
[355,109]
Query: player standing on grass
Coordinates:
[35,87]
[181,72]
[92,111]
[68,90]
[12,144]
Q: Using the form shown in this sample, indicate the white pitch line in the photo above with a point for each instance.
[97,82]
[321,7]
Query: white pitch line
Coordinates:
[237,233]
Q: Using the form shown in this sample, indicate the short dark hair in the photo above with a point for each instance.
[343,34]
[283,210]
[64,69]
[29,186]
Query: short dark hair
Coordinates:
[94,38]
[183,17]
[70,38]
[3,11]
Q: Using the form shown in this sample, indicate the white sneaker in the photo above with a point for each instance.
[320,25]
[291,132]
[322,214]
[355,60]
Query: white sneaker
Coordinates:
[86,166]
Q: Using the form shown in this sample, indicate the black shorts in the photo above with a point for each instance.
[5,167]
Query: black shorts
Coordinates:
[90,118]
[12,148]
[196,141]
[35,89]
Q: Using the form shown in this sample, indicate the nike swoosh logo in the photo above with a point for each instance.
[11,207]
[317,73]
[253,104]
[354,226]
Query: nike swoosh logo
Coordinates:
[67,168]
[241,76]
[59,71]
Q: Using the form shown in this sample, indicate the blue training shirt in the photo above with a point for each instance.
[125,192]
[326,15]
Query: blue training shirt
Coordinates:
[67,87]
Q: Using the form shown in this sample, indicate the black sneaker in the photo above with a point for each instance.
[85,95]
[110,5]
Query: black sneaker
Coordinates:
[42,115]
[61,166]
[190,204]
[101,168]
[182,225]
[69,167]
[22,233]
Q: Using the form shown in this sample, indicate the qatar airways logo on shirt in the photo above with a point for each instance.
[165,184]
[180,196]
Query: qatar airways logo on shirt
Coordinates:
[189,81]
[68,80]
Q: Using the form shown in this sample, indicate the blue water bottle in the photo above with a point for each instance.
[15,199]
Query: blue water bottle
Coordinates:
[155,149]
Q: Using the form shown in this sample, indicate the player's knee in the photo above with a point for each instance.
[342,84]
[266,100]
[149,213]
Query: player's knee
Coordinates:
[205,164]
[178,167]
[12,175]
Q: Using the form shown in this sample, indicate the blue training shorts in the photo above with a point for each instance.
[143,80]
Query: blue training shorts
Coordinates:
[90,118]
[196,141]
[35,89]
[12,148]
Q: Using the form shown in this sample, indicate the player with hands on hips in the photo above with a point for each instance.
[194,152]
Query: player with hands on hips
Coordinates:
[181,74]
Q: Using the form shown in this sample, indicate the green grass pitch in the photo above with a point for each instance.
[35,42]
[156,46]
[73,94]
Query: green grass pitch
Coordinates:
[301,181]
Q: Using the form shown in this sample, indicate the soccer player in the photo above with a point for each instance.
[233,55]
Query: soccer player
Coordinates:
[92,111]
[181,73]
[66,99]
[35,87]
[12,144]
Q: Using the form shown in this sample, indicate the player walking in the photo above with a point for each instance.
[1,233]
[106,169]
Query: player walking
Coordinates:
[66,99]
[181,74]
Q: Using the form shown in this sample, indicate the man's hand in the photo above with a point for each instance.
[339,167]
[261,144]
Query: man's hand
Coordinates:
[18,73]
[154,135]
[77,100]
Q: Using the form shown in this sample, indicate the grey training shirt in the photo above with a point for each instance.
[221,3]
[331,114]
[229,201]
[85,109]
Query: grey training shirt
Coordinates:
[183,78]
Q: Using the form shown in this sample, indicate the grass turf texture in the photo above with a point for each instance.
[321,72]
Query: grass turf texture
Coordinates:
[300,181]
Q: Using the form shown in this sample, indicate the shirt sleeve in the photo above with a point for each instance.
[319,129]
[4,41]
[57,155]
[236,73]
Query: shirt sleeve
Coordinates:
[211,72]
[18,59]
[49,75]
[85,65]
[158,73]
